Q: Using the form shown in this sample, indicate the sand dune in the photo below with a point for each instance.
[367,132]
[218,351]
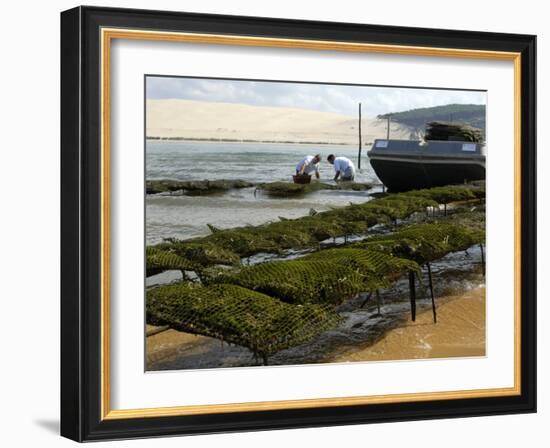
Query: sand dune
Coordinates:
[188,119]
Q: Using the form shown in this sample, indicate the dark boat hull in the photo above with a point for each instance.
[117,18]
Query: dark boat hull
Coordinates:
[404,165]
[400,174]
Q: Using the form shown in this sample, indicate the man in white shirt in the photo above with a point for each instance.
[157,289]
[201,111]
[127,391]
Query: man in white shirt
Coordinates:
[308,165]
[343,167]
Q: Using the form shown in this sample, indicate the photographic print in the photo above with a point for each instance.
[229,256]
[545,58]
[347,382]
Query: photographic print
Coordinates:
[295,223]
[252,201]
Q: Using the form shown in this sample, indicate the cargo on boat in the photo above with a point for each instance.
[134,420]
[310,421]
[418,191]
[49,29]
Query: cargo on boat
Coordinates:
[404,165]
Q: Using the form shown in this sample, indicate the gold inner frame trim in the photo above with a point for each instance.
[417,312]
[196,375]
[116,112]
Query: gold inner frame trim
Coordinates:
[107,35]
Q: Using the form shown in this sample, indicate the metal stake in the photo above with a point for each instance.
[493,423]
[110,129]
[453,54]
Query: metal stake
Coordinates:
[432,292]
[412,292]
[482,258]
[366,300]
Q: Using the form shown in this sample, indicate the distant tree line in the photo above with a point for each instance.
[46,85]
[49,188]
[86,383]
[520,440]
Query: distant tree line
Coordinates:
[470,114]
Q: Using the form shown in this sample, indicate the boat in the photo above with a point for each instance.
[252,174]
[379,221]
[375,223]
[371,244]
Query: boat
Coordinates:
[404,165]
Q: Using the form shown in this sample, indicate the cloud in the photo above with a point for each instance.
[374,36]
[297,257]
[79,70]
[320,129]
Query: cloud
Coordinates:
[322,97]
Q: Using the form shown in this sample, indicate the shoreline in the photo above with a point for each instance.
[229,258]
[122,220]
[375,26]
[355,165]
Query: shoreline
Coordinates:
[459,332]
[223,140]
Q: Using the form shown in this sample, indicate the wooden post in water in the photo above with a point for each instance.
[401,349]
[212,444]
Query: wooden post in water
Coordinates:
[412,292]
[378,301]
[388,130]
[432,291]
[359,155]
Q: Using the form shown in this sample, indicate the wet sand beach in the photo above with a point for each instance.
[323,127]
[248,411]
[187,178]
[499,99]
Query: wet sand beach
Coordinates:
[167,344]
[459,332]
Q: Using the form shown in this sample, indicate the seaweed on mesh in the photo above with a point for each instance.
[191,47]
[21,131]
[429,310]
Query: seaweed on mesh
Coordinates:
[351,186]
[246,306]
[408,204]
[289,189]
[194,187]
[244,241]
[472,219]
[277,236]
[238,315]
[478,190]
[284,189]
[397,206]
[227,246]
[350,228]
[327,276]
[299,282]
[288,234]
[378,269]
[425,242]
[445,195]
[352,212]
[333,224]
[320,227]
[202,253]
[382,210]
[158,260]
[364,261]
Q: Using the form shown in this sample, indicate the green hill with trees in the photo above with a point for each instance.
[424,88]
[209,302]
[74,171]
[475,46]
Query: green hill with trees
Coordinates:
[470,114]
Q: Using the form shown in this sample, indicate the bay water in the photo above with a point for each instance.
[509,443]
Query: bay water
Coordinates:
[185,217]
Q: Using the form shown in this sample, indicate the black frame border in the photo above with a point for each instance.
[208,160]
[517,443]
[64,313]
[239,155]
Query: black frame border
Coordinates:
[81,223]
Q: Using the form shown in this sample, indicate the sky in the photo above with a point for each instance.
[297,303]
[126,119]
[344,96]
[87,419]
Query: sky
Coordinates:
[320,97]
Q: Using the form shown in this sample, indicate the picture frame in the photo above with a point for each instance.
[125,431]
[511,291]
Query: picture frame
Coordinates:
[86,37]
